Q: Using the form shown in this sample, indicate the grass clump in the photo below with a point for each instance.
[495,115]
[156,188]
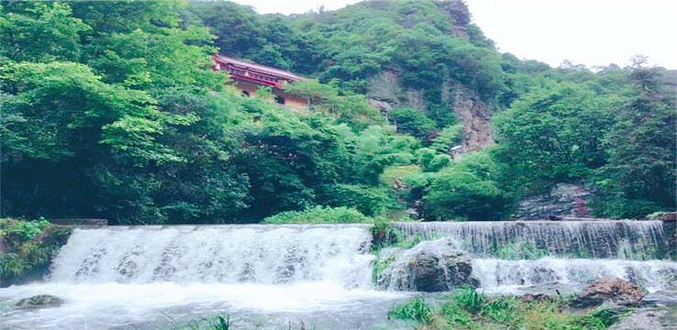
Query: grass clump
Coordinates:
[468,309]
[27,248]
[394,174]
[416,309]
[470,300]
[319,214]
[218,322]
[380,266]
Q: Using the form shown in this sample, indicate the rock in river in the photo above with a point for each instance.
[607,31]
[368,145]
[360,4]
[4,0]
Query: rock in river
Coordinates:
[613,290]
[40,301]
[430,266]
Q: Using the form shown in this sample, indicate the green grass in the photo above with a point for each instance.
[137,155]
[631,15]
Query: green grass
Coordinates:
[416,309]
[468,309]
[470,300]
[398,172]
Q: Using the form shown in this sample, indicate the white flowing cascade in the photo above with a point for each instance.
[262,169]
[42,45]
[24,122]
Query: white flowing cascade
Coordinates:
[585,239]
[285,254]
[496,274]
[129,277]
[231,254]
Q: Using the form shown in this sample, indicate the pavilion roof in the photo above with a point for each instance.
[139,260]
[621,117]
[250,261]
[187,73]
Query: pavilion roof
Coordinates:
[278,73]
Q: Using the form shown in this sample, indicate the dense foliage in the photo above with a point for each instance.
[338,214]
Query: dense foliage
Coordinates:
[319,214]
[111,110]
[27,248]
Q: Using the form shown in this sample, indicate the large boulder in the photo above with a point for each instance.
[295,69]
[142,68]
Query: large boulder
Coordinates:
[430,266]
[613,290]
[40,301]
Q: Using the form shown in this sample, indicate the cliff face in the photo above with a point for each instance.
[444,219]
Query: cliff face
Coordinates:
[386,92]
[475,116]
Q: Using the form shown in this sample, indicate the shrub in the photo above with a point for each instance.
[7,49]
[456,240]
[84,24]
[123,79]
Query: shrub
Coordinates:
[469,189]
[413,122]
[457,194]
[383,234]
[319,214]
[439,162]
[28,248]
[368,200]
[449,137]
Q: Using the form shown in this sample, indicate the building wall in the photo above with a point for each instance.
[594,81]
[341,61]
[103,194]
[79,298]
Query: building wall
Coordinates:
[294,103]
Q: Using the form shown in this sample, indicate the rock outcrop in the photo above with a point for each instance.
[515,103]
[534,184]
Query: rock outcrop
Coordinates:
[385,92]
[660,298]
[40,301]
[430,266]
[662,318]
[614,290]
[563,200]
[475,116]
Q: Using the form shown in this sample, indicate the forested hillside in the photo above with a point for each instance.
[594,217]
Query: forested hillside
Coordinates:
[110,110]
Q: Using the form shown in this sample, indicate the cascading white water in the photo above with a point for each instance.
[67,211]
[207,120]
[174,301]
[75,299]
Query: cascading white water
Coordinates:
[504,275]
[131,277]
[217,254]
[589,239]
[152,277]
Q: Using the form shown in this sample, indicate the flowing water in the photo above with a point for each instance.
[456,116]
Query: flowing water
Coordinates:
[588,239]
[277,276]
[153,277]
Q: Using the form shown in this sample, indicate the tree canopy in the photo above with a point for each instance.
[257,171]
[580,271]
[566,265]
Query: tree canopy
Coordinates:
[111,110]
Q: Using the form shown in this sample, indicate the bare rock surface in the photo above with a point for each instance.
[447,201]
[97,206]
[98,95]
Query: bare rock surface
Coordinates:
[40,301]
[662,318]
[613,290]
[563,200]
[430,266]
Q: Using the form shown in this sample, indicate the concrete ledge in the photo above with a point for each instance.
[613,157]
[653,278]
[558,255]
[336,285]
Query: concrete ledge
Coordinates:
[80,222]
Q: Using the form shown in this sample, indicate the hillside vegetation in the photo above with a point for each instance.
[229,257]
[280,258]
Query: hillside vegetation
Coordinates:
[110,110]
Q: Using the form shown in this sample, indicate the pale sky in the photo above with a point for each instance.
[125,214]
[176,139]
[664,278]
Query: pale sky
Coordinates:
[592,32]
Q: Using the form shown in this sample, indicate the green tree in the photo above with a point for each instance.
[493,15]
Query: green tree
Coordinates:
[640,175]
[554,134]
[412,122]
[468,190]
[40,32]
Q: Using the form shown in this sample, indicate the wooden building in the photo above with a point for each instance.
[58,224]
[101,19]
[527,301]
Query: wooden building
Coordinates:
[248,77]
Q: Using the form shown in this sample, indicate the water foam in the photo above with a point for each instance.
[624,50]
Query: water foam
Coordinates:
[217,254]
[496,274]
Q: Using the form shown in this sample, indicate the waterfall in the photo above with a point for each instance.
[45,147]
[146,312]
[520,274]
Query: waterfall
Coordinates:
[586,239]
[495,274]
[229,254]
[132,277]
